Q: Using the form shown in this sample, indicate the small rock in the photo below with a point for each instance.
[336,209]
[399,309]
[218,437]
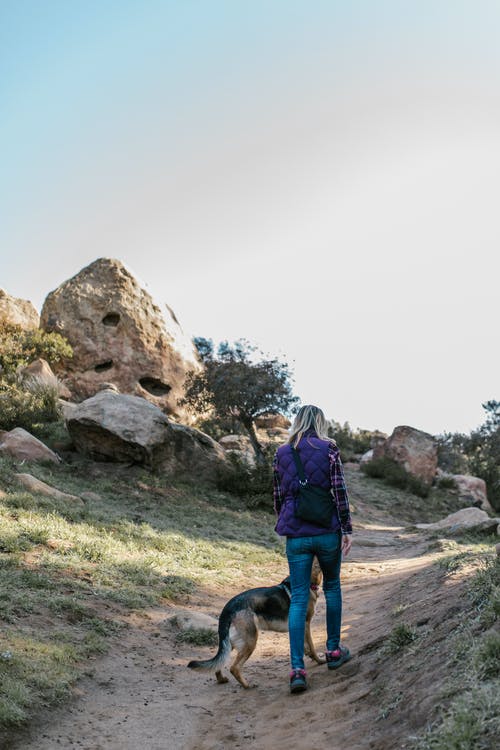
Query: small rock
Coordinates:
[37,487]
[185,619]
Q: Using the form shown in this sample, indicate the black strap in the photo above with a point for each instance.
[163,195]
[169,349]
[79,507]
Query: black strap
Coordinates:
[299,466]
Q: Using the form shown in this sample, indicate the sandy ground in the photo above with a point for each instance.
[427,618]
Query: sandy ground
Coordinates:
[142,696]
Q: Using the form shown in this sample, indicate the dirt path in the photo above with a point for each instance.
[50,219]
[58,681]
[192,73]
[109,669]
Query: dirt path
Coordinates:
[141,696]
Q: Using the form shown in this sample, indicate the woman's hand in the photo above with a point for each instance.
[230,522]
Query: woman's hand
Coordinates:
[346,544]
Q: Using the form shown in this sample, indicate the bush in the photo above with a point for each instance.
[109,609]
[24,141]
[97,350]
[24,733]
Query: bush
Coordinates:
[394,474]
[27,408]
[252,483]
[19,347]
[400,637]
[351,442]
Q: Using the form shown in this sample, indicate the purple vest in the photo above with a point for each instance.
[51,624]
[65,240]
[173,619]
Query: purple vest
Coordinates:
[313,453]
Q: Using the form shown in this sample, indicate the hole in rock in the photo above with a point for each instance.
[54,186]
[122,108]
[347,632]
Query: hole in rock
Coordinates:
[111,319]
[154,386]
[102,366]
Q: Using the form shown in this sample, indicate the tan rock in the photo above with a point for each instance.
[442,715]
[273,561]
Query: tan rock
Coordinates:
[271,421]
[235,442]
[366,457]
[466,519]
[40,371]
[118,427]
[37,487]
[472,490]
[23,446]
[414,450]
[18,311]
[119,336]
[186,619]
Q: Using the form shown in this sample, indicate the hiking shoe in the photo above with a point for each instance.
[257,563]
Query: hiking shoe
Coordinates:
[298,682]
[335,659]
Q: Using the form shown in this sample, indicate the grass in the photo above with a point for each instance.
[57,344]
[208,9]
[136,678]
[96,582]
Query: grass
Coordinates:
[400,636]
[401,504]
[198,637]
[70,575]
[471,718]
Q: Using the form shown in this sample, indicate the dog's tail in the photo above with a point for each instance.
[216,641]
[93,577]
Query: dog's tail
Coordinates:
[225,647]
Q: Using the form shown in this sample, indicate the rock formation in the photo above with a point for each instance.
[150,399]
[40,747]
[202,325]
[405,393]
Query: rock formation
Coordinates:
[119,336]
[472,490]
[23,446]
[118,427]
[18,311]
[414,450]
[467,519]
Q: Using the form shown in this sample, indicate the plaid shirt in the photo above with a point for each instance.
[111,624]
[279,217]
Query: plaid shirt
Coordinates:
[339,489]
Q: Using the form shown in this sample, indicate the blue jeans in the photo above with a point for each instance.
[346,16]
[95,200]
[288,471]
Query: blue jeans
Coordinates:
[300,552]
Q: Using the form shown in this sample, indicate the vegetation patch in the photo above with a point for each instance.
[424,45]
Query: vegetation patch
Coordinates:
[69,575]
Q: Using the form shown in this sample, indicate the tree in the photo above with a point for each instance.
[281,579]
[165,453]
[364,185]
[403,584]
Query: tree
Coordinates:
[477,453]
[234,384]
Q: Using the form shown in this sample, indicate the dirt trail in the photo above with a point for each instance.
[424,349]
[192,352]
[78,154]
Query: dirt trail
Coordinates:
[141,696]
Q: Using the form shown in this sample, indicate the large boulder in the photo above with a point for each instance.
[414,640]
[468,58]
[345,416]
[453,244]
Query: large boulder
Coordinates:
[239,446]
[118,427]
[119,336]
[472,490]
[467,519]
[18,311]
[23,446]
[414,450]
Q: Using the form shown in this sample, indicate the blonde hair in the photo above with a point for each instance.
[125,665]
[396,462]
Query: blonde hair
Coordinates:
[309,418]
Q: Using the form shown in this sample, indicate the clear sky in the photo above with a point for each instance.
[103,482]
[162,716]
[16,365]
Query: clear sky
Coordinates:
[321,178]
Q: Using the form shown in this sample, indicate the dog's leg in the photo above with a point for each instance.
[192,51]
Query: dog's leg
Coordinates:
[220,677]
[244,642]
[310,648]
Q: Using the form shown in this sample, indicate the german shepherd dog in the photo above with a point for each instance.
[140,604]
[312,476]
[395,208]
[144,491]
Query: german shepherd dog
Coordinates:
[265,608]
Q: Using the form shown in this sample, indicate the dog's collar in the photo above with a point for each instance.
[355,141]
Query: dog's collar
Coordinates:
[287,588]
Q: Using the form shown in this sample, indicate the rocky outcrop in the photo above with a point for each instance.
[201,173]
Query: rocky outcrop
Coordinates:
[272,421]
[118,427]
[41,372]
[414,450]
[472,490]
[239,446]
[23,446]
[119,336]
[467,519]
[18,311]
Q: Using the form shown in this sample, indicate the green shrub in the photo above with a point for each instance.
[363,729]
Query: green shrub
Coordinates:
[487,656]
[446,482]
[394,474]
[19,347]
[26,407]
[254,484]
[400,636]
[198,637]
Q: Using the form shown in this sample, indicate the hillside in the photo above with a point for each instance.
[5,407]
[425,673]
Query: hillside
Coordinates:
[88,658]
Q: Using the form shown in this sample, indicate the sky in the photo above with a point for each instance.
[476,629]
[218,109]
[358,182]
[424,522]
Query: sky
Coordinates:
[320,178]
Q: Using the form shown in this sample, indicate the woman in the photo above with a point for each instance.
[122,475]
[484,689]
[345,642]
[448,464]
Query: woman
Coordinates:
[320,459]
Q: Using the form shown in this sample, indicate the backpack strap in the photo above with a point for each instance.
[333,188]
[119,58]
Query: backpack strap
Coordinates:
[299,466]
